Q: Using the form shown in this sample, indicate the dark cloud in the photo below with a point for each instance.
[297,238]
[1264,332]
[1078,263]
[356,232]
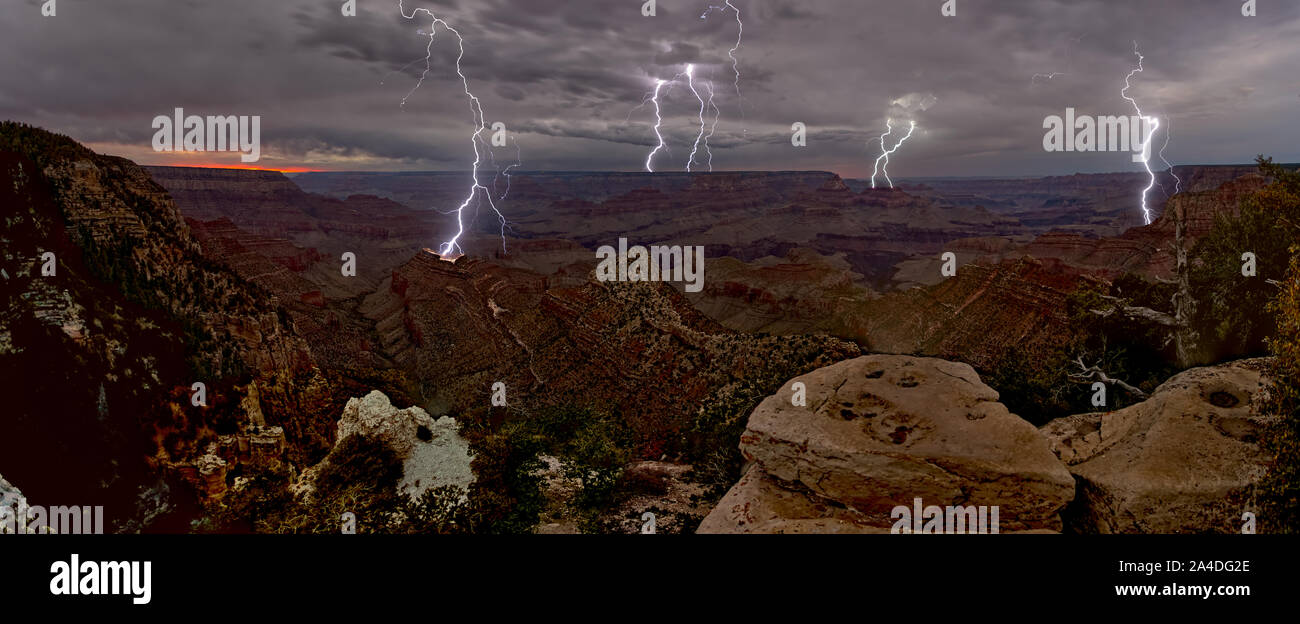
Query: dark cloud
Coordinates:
[678,54]
[567,76]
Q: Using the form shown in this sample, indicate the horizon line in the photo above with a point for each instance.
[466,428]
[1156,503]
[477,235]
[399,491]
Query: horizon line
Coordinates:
[642,173]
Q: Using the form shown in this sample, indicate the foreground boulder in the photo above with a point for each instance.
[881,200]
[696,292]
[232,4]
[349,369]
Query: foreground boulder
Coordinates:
[881,431]
[431,450]
[1182,461]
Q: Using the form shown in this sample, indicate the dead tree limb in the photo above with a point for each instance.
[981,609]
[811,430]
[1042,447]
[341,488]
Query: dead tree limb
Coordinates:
[1137,312]
[1089,374]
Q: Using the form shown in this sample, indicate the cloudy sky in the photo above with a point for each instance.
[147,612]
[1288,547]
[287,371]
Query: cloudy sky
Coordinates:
[567,76]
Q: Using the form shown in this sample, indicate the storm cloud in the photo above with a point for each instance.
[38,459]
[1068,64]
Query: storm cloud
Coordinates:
[569,78]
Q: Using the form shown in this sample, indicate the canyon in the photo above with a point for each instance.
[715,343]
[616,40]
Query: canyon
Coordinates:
[171,275]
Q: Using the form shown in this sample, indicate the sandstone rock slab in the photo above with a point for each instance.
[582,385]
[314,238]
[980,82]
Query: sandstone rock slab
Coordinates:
[1182,461]
[879,431]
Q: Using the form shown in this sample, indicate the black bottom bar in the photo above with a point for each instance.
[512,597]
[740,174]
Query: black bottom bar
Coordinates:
[305,574]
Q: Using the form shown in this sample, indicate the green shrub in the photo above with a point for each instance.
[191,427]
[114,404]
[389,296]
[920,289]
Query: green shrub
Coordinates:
[596,454]
[506,496]
[1035,387]
[1279,491]
[1228,315]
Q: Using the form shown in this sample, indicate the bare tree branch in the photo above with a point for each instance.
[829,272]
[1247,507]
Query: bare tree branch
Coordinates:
[1137,312]
[1089,374]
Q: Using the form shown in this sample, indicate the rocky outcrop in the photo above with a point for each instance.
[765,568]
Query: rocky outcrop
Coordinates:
[880,431]
[212,472]
[8,492]
[113,338]
[1182,461]
[431,450]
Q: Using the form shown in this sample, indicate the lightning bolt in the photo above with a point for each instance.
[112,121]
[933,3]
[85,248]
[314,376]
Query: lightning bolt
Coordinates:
[506,172]
[740,36]
[450,249]
[690,81]
[889,128]
[716,114]
[1069,62]
[1178,183]
[884,153]
[403,68]
[659,120]
[1146,145]
[702,137]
